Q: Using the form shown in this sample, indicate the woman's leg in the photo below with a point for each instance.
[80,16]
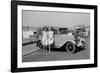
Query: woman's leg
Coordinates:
[45,48]
[49,48]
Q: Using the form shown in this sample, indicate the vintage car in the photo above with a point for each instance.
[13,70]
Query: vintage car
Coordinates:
[67,42]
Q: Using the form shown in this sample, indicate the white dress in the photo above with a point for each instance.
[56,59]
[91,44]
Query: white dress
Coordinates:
[50,38]
[44,38]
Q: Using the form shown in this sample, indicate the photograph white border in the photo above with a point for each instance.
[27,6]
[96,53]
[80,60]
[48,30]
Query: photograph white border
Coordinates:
[52,63]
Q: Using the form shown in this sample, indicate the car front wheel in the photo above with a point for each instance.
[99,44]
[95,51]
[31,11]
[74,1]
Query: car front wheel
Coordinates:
[70,47]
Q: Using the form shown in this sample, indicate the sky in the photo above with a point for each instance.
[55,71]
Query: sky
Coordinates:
[57,19]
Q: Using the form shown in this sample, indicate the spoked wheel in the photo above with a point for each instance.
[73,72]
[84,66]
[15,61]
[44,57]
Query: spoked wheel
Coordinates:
[70,47]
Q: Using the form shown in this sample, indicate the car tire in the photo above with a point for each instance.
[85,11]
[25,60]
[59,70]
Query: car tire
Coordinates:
[40,45]
[70,47]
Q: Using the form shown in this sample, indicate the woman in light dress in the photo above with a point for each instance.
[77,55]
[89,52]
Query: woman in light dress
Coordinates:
[50,38]
[45,39]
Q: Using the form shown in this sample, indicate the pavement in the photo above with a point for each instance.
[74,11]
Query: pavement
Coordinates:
[29,46]
[54,55]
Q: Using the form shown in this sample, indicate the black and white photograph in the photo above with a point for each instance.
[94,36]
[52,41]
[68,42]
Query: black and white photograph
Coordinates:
[49,36]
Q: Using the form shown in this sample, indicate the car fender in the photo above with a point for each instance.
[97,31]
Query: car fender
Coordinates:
[72,41]
[81,42]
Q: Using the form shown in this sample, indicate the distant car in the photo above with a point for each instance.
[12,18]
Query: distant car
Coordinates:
[67,42]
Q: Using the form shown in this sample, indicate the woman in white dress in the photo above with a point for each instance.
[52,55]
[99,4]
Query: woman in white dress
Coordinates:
[50,38]
[45,39]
